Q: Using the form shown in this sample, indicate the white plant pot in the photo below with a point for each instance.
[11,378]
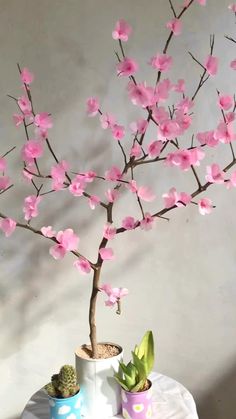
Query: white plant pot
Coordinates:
[100,393]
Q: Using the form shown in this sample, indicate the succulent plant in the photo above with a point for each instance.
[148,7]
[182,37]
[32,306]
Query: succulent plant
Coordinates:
[64,384]
[133,377]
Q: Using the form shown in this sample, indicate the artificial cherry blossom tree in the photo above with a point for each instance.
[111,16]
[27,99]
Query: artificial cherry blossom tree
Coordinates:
[174,146]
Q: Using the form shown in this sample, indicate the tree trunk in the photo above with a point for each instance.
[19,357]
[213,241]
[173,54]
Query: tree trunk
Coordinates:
[92,313]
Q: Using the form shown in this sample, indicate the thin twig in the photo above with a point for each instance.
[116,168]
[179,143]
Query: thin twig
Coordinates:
[8,152]
[7,189]
[172,8]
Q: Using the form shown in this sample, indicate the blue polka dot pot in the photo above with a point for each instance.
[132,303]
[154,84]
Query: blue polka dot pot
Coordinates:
[69,408]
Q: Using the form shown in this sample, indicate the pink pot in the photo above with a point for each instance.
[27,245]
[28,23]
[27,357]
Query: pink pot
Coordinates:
[137,405]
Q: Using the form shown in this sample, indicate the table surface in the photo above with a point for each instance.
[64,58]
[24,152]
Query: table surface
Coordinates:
[171,400]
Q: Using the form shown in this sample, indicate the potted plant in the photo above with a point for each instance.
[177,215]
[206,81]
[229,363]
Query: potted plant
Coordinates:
[136,388]
[64,394]
[168,107]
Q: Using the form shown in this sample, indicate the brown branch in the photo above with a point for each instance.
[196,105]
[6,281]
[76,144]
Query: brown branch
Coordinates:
[171,36]
[123,152]
[203,80]
[35,231]
[197,192]
[230,39]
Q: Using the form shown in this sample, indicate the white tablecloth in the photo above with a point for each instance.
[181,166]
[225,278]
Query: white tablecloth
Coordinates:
[171,400]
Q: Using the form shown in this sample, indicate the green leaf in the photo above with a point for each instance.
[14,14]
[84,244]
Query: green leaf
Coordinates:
[121,382]
[138,386]
[145,351]
[139,364]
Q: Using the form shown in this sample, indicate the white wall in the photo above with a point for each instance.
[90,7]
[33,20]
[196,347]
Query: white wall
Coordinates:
[181,275]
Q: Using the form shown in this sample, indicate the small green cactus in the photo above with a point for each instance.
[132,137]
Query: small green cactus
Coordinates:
[64,384]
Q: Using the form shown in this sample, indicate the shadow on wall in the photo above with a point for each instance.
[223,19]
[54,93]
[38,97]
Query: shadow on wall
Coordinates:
[219,402]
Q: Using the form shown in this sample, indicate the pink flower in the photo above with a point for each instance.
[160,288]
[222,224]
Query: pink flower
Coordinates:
[93,201]
[233,64]
[26,76]
[48,232]
[92,106]
[184,199]
[67,241]
[77,186]
[232,7]
[122,30]
[114,294]
[175,26]
[88,177]
[109,231]
[3,164]
[145,193]
[163,90]
[132,186]
[161,62]
[139,127]
[7,225]
[106,253]
[183,120]
[185,105]
[136,150]
[181,158]
[118,132]
[107,120]
[224,133]
[154,148]
[211,65]
[112,195]
[129,223]
[43,120]
[225,102]
[207,138]
[230,117]
[30,208]
[147,222]
[185,158]
[33,149]
[196,156]
[57,251]
[141,95]
[18,119]
[232,181]
[82,265]
[58,175]
[169,129]
[113,174]
[4,182]
[205,206]
[25,105]
[170,198]
[127,67]
[160,114]
[202,2]
[179,86]
[214,174]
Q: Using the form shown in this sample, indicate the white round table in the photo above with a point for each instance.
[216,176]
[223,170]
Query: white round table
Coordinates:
[171,400]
